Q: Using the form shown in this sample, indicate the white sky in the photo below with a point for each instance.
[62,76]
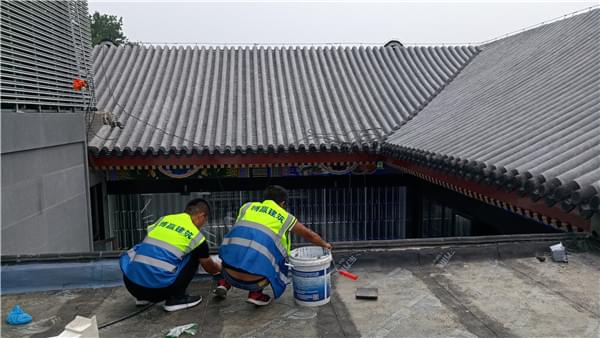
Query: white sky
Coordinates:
[295,22]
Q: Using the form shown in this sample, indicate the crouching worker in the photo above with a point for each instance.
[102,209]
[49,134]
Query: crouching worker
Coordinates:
[255,251]
[162,266]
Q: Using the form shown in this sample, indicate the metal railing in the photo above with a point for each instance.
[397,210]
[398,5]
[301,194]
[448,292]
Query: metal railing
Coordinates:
[337,214]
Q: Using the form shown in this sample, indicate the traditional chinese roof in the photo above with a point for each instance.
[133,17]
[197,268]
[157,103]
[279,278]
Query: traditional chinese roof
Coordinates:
[238,100]
[524,114]
[520,114]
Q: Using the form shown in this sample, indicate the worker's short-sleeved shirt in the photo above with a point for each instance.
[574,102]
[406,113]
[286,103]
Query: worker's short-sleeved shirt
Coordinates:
[203,250]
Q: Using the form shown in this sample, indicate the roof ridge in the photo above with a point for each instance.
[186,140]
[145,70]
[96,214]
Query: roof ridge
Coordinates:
[202,46]
[433,96]
[541,24]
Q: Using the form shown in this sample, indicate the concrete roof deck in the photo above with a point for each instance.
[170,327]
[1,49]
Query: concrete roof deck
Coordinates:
[484,291]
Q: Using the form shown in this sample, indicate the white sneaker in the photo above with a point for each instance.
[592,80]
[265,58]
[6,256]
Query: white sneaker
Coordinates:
[181,303]
[139,302]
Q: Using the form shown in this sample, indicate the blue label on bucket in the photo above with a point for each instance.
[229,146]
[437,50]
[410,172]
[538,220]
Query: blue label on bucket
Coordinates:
[311,286]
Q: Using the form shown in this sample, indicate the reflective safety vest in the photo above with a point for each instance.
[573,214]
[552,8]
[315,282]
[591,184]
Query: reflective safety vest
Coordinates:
[259,242]
[158,259]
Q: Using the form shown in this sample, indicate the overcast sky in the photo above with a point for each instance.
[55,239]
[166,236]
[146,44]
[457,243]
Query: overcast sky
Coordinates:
[293,22]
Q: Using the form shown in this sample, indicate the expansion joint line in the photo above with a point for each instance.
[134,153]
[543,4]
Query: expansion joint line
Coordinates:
[337,318]
[573,302]
[465,308]
[210,287]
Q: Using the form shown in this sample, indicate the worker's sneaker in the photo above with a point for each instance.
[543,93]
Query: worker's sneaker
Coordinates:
[181,302]
[222,288]
[258,298]
[141,302]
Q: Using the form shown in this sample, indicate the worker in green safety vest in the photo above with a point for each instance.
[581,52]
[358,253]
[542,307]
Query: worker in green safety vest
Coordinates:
[162,266]
[254,252]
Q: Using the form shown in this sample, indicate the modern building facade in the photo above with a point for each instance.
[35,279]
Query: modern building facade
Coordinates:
[45,45]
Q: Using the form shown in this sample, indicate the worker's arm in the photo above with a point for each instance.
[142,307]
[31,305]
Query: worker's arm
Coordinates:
[207,263]
[311,236]
[210,266]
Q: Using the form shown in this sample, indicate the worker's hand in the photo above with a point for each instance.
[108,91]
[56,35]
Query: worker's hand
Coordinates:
[210,265]
[311,236]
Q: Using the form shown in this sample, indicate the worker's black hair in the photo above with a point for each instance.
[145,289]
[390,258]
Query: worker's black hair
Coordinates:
[196,206]
[276,193]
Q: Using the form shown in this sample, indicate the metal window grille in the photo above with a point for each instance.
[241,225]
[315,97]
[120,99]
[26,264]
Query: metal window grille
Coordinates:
[337,214]
[442,221]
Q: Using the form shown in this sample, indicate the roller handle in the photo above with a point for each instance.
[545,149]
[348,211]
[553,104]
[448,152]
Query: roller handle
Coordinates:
[348,274]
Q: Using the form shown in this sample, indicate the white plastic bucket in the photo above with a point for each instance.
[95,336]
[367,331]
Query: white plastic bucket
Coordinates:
[310,275]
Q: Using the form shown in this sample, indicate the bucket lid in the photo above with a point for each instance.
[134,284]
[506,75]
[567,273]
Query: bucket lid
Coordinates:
[310,256]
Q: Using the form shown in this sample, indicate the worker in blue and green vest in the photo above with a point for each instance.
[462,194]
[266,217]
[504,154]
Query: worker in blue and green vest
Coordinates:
[162,266]
[255,251]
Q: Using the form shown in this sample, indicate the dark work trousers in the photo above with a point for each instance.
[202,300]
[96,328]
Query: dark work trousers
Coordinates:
[176,289]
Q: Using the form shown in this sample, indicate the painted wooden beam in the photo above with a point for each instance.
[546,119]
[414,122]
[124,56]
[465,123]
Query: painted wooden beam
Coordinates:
[236,160]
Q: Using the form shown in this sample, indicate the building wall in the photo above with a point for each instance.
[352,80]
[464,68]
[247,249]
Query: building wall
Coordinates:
[45,207]
[45,196]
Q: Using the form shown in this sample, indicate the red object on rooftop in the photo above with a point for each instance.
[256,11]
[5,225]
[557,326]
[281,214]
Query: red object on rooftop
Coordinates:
[79,84]
[348,274]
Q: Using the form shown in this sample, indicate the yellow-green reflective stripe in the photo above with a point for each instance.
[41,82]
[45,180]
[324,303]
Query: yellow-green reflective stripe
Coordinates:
[194,241]
[151,261]
[258,247]
[267,232]
[164,245]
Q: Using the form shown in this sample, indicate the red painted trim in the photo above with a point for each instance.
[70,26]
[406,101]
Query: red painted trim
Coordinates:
[513,198]
[237,159]
[290,158]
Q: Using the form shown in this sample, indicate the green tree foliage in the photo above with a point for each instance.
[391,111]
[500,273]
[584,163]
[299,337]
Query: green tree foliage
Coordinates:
[107,27]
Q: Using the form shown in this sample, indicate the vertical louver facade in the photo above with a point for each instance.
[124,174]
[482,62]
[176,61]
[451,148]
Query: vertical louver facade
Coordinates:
[44,46]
